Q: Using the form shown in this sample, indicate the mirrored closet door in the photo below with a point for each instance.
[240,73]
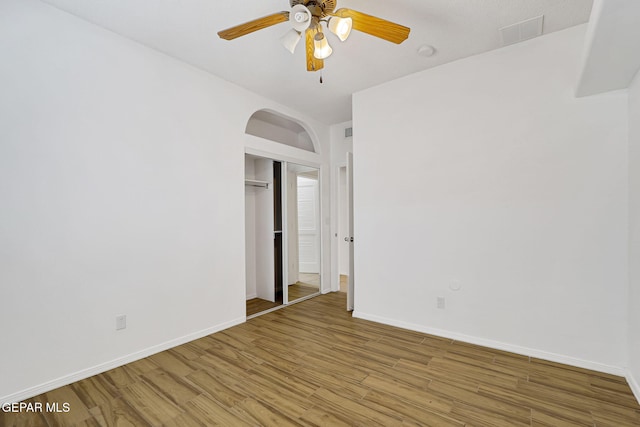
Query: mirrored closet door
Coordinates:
[303,231]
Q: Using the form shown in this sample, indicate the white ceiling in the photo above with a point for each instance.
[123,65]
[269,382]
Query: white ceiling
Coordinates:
[186,30]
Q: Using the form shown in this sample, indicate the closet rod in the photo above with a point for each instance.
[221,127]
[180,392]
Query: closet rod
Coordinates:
[254,183]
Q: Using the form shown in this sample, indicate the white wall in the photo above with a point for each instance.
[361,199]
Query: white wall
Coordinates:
[489,173]
[121,192]
[611,48]
[634,234]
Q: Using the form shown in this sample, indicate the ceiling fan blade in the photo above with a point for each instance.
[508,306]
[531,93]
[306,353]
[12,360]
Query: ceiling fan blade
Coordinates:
[313,63]
[255,25]
[374,26]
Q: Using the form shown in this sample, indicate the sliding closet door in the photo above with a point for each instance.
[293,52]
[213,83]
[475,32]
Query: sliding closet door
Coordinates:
[282,227]
[303,225]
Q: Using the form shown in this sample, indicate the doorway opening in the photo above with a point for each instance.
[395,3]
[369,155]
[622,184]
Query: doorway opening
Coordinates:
[282,233]
[343,229]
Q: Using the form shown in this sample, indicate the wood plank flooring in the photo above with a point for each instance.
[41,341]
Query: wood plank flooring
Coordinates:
[257,305]
[296,291]
[301,290]
[308,284]
[312,364]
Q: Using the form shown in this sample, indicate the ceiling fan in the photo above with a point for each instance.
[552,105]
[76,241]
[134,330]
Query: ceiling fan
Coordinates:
[306,17]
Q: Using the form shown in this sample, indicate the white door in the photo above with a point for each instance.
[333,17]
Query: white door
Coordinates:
[349,237]
[308,225]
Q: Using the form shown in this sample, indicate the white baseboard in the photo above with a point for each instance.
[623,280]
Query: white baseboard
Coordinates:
[525,351]
[635,386]
[103,367]
[252,296]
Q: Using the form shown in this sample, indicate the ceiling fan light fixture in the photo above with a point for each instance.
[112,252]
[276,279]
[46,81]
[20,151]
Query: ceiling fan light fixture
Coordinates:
[322,49]
[300,17]
[341,27]
[307,19]
[290,40]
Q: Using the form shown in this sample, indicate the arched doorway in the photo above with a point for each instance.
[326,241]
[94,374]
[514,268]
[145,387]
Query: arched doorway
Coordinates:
[282,214]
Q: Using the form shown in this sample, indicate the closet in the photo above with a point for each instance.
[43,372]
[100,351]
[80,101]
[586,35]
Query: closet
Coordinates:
[282,232]
[263,229]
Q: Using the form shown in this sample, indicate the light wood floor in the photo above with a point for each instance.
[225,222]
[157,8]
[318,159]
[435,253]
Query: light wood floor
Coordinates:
[257,305]
[312,364]
[308,284]
[301,290]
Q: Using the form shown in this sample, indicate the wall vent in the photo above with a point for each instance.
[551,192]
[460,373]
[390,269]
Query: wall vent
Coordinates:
[348,132]
[522,30]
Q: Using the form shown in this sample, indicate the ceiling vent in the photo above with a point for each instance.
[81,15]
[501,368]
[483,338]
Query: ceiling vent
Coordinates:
[348,132]
[521,31]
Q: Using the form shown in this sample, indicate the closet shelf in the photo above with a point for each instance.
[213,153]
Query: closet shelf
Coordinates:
[255,183]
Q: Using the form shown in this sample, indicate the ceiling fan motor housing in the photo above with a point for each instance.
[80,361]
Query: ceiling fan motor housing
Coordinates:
[319,8]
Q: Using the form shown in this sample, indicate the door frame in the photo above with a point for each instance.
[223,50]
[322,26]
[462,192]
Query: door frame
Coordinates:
[351,285]
[336,235]
[307,159]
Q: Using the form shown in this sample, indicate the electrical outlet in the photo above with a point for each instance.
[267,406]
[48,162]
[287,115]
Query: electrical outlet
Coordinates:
[121,322]
[440,302]
[455,285]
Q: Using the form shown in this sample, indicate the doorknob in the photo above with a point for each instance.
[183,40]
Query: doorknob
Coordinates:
[348,239]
